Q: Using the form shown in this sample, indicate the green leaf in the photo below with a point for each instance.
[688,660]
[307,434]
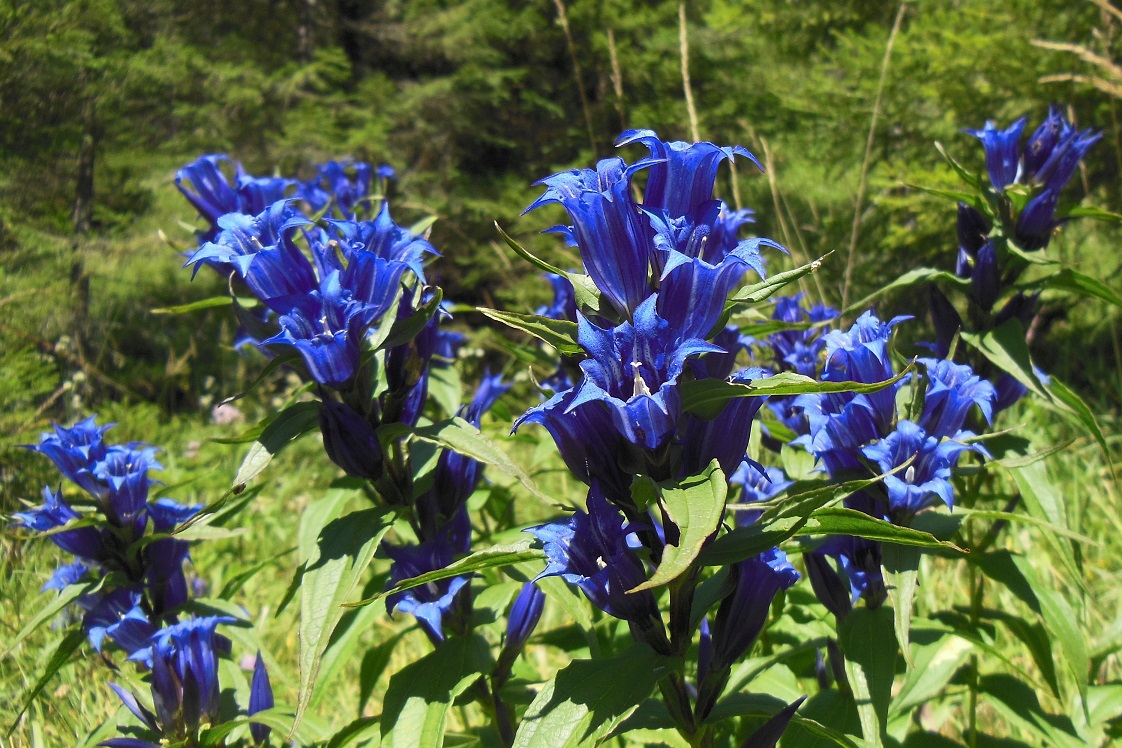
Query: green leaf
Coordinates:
[462,438]
[909,279]
[971,179]
[66,648]
[65,596]
[489,558]
[374,663]
[842,521]
[936,656]
[868,640]
[1005,347]
[1083,414]
[1091,211]
[561,334]
[706,396]
[343,550]
[283,359]
[695,506]
[1072,280]
[420,694]
[757,292]
[777,523]
[1019,704]
[588,297]
[291,423]
[901,568]
[1044,501]
[209,303]
[584,702]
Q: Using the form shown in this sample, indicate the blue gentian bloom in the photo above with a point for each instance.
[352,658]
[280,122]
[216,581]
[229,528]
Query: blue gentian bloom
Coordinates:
[633,370]
[163,559]
[741,616]
[350,441]
[682,175]
[595,551]
[953,390]
[972,229]
[927,478]
[985,277]
[183,659]
[329,325]
[859,560]
[757,484]
[75,451]
[118,615]
[407,371]
[260,249]
[432,603]
[334,185]
[1002,151]
[83,542]
[260,699]
[607,226]
[124,472]
[723,438]
[66,575]
[799,350]
[207,188]
[524,616]
[385,171]
[384,239]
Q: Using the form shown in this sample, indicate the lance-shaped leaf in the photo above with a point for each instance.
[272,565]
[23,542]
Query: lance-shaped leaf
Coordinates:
[757,292]
[559,333]
[288,425]
[707,396]
[584,702]
[494,557]
[586,294]
[420,694]
[695,506]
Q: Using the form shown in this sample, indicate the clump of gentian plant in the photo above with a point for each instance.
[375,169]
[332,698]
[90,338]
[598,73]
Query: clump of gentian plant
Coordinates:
[128,578]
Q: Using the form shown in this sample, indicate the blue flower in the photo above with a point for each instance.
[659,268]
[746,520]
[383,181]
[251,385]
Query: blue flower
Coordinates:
[163,559]
[1002,151]
[682,175]
[385,171]
[741,616]
[350,441]
[334,184]
[756,485]
[213,196]
[183,659]
[83,542]
[612,234]
[524,616]
[260,249]
[260,699]
[432,603]
[633,370]
[118,615]
[724,437]
[383,239]
[953,390]
[859,561]
[124,473]
[75,451]
[596,552]
[799,350]
[927,478]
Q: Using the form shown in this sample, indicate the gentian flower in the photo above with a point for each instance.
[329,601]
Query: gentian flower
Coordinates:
[384,239]
[928,477]
[84,542]
[118,615]
[350,441]
[953,390]
[183,659]
[596,552]
[260,699]
[432,604]
[741,616]
[75,451]
[213,196]
[608,228]
[1002,151]
[333,184]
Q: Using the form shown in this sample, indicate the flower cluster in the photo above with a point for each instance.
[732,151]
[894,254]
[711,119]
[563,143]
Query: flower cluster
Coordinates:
[345,294]
[123,539]
[1019,216]
[132,566]
[665,268]
[859,435]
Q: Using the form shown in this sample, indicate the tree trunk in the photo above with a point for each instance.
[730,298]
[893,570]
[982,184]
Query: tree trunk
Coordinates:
[305,32]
